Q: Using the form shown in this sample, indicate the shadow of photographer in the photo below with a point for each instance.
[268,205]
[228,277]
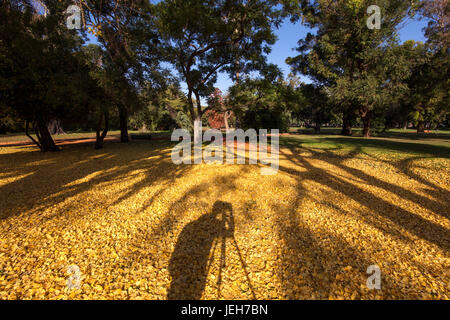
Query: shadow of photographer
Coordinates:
[192,257]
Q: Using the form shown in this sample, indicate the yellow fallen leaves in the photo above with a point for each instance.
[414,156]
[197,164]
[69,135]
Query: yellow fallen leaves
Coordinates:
[139,227]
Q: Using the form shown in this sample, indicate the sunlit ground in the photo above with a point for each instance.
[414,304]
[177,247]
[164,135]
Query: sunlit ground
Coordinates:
[137,226]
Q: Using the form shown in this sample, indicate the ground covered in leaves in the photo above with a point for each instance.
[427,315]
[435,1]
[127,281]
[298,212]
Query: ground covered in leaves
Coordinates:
[136,226]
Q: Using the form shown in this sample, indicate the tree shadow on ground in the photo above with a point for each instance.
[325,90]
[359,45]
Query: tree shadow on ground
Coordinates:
[45,180]
[392,145]
[307,266]
[302,254]
[400,217]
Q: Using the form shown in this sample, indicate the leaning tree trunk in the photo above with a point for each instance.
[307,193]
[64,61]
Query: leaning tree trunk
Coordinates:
[347,125]
[123,120]
[421,127]
[101,137]
[46,142]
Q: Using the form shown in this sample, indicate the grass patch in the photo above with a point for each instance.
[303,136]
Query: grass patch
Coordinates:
[376,145]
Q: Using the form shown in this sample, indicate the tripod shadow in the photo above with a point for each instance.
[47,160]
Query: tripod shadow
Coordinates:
[190,261]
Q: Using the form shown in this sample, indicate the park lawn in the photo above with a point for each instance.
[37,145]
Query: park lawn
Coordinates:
[138,226]
[21,137]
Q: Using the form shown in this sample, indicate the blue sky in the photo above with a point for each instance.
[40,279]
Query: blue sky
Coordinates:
[290,33]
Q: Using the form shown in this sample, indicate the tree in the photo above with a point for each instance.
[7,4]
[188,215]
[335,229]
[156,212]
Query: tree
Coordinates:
[348,58]
[228,32]
[435,84]
[219,112]
[438,29]
[426,98]
[39,78]
[99,89]
[260,104]
[162,107]
[124,29]
[316,107]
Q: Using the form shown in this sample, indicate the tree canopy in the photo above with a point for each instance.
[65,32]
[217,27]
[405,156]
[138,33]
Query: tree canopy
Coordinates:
[127,64]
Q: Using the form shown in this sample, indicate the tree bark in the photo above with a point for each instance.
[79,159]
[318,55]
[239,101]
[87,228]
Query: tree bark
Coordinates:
[46,142]
[421,127]
[198,130]
[101,137]
[54,127]
[27,125]
[347,125]
[317,127]
[123,120]
[226,116]
[366,119]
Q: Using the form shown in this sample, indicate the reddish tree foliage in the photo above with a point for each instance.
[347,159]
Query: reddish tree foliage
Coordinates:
[218,114]
[215,119]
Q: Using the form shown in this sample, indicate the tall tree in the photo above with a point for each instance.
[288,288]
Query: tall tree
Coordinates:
[202,38]
[348,57]
[40,74]
[123,27]
[99,89]
[438,14]
[260,103]
[317,106]
[435,81]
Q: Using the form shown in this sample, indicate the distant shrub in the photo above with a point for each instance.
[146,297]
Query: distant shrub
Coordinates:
[265,119]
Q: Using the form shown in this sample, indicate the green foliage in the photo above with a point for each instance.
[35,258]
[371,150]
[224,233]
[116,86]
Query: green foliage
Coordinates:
[184,121]
[265,118]
[161,110]
[426,99]
[42,76]
[316,106]
[260,104]
[352,61]
[202,38]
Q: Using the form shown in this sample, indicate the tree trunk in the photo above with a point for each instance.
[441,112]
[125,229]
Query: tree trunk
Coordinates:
[123,119]
[405,125]
[226,116]
[421,127]
[27,125]
[54,127]
[198,130]
[46,142]
[366,119]
[101,137]
[317,127]
[347,125]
